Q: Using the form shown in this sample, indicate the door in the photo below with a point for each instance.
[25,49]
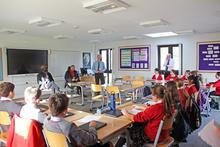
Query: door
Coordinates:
[107,59]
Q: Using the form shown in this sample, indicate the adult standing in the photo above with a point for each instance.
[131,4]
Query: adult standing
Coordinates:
[45,79]
[99,69]
[168,64]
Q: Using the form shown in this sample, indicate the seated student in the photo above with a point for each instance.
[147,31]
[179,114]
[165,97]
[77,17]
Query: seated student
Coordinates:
[30,110]
[191,88]
[186,75]
[184,96]
[72,75]
[58,105]
[151,118]
[45,79]
[197,78]
[172,76]
[157,75]
[6,102]
[216,85]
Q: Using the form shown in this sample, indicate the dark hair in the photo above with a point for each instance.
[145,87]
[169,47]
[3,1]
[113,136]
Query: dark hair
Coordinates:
[159,91]
[6,88]
[58,103]
[171,97]
[218,74]
[195,80]
[39,92]
[157,69]
[44,68]
[187,71]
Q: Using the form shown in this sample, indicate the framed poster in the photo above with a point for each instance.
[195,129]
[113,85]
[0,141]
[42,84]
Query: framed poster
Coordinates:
[86,56]
[1,66]
[134,57]
[208,56]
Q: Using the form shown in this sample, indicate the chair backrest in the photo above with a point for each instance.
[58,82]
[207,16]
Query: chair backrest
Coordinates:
[112,89]
[55,139]
[90,79]
[96,88]
[4,118]
[137,83]
[139,78]
[126,78]
[165,124]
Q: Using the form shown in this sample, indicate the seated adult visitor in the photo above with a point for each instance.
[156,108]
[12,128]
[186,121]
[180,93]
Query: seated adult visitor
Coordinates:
[72,75]
[157,75]
[45,80]
[58,106]
[215,85]
[30,110]
[150,118]
[172,76]
[186,75]
[6,102]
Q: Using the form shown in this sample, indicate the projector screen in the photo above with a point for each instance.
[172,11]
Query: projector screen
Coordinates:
[25,61]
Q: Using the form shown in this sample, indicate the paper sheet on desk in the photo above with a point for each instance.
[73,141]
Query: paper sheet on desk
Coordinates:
[134,111]
[89,118]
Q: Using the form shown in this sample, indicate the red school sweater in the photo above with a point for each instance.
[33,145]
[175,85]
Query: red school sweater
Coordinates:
[170,78]
[152,115]
[158,78]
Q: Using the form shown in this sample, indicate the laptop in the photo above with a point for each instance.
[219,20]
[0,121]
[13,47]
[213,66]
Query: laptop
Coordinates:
[99,125]
[114,113]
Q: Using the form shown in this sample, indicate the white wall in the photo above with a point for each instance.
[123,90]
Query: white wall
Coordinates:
[189,52]
[29,42]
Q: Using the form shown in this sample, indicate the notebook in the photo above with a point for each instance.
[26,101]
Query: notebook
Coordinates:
[98,125]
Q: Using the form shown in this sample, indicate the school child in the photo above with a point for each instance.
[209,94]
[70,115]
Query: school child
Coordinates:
[186,75]
[172,76]
[157,75]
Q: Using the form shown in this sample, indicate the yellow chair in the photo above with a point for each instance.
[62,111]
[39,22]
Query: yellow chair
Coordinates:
[4,120]
[139,87]
[139,78]
[55,139]
[97,97]
[126,78]
[115,90]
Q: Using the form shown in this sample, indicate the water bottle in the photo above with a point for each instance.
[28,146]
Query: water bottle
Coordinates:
[112,105]
[98,111]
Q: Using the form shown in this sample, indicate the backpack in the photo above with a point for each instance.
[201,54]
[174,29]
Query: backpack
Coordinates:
[147,91]
[201,100]
[194,115]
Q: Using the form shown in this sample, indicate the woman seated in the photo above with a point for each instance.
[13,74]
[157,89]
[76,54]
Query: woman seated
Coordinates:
[72,75]
[172,76]
[146,123]
[157,75]
[186,75]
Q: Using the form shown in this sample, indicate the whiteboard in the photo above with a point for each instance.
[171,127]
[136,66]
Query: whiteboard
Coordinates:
[60,60]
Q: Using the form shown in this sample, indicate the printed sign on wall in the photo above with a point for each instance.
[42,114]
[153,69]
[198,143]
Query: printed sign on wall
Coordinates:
[208,56]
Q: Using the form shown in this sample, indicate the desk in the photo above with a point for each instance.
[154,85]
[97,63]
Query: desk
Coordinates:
[133,88]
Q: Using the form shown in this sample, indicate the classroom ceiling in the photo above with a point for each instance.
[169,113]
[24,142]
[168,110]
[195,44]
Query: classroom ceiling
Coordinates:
[202,16]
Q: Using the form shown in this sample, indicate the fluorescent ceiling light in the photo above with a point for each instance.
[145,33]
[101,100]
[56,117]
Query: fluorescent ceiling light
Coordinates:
[105,6]
[12,31]
[62,37]
[159,22]
[185,32]
[130,37]
[45,22]
[95,31]
[163,34]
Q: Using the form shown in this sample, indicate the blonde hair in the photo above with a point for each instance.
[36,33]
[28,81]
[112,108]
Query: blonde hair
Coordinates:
[31,94]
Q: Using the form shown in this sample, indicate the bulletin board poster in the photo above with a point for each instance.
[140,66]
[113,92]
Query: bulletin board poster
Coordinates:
[208,56]
[137,58]
[1,66]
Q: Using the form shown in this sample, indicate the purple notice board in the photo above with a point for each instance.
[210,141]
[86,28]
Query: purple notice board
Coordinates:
[208,56]
[137,58]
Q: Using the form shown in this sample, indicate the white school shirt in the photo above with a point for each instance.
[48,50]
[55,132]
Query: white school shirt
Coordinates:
[171,64]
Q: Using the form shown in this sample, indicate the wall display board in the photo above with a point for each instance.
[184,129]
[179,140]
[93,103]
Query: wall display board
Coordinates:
[208,56]
[86,57]
[134,58]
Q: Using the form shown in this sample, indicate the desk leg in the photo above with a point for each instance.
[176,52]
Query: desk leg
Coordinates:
[82,97]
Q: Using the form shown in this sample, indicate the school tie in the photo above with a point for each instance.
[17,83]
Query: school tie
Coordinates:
[98,66]
[168,62]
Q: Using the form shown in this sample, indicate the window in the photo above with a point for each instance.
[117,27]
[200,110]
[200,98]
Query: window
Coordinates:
[176,52]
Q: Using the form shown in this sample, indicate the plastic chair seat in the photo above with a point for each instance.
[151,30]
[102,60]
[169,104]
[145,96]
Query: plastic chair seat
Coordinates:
[166,143]
[97,97]
[3,137]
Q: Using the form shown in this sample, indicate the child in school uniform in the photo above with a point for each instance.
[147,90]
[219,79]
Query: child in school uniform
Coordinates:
[58,105]
[184,96]
[6,102]
[151,118]
[157,75]
[216,85]
[30,110]
[191,88]
[172,76]
[186,75]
